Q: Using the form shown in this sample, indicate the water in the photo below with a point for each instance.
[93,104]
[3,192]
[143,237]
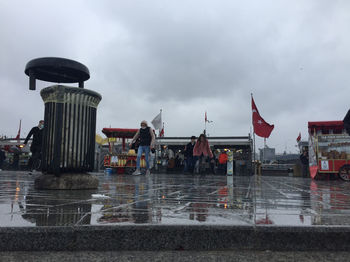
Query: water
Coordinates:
[176,199]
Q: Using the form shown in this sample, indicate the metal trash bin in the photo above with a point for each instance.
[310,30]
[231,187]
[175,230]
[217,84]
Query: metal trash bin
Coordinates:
[70,121]
[70,126]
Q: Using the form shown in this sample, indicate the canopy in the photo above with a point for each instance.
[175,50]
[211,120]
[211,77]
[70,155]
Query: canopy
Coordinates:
[119,132]
[325,126]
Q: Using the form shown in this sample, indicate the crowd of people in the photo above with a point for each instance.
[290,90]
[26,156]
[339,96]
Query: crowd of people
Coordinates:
[198,153]
[194,158]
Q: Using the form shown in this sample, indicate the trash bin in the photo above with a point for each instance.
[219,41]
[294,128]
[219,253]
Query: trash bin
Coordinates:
[70,126]
[68,150]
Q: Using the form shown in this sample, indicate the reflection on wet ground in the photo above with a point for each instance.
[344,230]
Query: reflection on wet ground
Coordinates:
[177,199]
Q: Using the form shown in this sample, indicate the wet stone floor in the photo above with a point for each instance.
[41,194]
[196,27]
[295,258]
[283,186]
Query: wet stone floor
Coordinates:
[176,199]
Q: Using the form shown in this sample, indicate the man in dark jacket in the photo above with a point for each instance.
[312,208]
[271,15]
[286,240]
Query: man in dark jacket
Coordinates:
[2,158]
[189,158]
[304,159]
[36,146]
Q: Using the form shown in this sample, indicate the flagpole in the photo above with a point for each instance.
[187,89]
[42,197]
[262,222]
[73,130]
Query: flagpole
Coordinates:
[254,144]
[160,118]
[264,148]
[18,136]
[205,123]
[255,153]
[158,147]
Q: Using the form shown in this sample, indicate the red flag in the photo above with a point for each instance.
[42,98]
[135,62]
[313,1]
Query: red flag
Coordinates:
[161,132]
[206,119]
[261,128]
[299,137]
[19,131]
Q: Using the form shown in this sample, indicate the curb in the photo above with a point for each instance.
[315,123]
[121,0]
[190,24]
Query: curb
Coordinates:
[175,237]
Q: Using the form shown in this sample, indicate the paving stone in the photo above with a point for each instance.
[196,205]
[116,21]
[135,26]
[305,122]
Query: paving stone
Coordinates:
[176,212]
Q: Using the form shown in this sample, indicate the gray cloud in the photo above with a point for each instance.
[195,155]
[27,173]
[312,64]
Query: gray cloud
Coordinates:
[185,57]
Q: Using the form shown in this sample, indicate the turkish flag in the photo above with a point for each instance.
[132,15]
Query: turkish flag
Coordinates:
[161,133]
[299,137]
[261,128]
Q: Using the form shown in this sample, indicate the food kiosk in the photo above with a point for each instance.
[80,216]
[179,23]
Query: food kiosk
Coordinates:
[124,161]
[329,150]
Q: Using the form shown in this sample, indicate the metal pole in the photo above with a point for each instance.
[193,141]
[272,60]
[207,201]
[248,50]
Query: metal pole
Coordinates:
[256,164]
[123,144]
[264,148]
[99,157]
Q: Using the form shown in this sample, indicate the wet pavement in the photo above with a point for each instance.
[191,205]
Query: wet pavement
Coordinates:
[175,199]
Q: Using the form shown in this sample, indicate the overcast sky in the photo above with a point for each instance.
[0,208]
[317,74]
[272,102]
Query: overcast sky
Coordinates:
[185,57]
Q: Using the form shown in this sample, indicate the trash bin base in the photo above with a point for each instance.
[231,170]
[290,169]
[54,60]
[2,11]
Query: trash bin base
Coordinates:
[68,181]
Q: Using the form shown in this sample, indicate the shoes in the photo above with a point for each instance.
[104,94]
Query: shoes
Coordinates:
[137,172]
[33,172]
[148,172]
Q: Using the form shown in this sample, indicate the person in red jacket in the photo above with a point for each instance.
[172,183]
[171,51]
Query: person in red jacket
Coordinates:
[223,162]
[203,152]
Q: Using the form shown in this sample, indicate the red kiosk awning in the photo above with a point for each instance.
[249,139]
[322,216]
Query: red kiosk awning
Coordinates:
[119,132]
[325,126]
[123,133]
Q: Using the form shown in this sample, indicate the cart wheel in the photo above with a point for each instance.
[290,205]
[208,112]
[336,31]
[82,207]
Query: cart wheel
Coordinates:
[344,172]
[129,170]
[130,167]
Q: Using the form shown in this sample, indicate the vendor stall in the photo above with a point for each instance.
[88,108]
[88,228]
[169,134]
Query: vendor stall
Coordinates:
[329,150]
[124,161]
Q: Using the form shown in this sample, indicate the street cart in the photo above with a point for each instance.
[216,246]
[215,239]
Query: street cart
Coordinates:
[125,160]
[329,150]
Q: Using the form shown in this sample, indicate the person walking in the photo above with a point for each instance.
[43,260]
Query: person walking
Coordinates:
[203,152]
[147,140]
[36,146]
[223,158]
[2,158]
[304,159]
[190,160]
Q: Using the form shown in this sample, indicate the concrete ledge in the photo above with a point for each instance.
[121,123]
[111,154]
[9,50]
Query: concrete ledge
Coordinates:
[177,237]
[182,256]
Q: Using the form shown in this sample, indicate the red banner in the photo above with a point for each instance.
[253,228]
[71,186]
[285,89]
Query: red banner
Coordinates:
[261,127]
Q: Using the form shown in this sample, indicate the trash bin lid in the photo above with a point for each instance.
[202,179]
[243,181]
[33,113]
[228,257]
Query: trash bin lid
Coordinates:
[58,70]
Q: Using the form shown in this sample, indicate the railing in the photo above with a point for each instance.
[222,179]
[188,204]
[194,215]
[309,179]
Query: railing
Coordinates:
[277,166]
[209,137]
